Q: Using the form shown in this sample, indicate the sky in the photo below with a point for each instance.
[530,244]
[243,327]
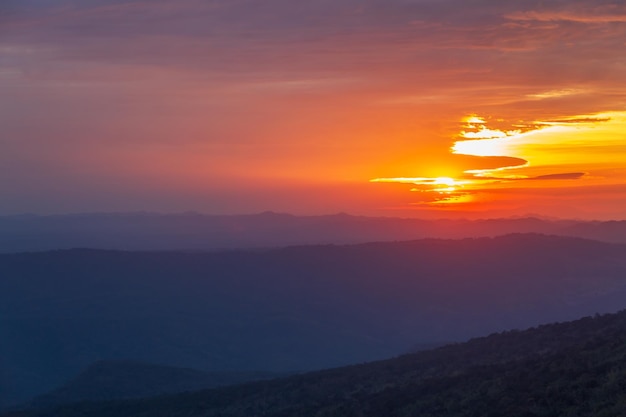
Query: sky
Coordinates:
[411,108]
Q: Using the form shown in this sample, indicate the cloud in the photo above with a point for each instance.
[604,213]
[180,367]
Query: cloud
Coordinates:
[590,14]
[564,176]
[374,84]
[547,177]
[468,162]
[576,120]
[369,38]
[552,94]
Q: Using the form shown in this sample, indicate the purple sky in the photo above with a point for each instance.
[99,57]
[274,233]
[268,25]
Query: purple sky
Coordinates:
[242,106]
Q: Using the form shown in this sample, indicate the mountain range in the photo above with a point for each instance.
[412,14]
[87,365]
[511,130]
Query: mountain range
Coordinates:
[194,231]
[286,309]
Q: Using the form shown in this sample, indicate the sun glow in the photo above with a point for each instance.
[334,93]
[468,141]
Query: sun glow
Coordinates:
[436,184]
[474,119]
[445,181]
[448,185]
[446,189]
[566,152]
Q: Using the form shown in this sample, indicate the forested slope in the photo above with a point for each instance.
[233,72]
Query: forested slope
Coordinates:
[567,369]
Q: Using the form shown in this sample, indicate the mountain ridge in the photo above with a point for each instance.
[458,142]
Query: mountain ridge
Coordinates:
[287,309]
[107,380]
[195,231]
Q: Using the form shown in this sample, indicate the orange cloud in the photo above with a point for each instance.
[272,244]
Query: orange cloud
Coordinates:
[548,148]
[201,96]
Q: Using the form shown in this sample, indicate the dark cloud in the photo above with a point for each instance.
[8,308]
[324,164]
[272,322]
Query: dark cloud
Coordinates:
[470,162]
[564,176]
[401,37]
[547,177]
[486,52]
[576,120]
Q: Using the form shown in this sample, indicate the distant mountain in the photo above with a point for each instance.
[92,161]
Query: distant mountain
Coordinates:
[116,380]
[566,369]
[192,231]
[290,309]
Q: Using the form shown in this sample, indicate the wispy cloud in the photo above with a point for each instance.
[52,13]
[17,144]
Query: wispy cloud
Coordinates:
[349,89]
[580,12]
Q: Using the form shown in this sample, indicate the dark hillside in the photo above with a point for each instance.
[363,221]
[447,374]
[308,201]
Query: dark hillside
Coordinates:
[116,380]
[568,369]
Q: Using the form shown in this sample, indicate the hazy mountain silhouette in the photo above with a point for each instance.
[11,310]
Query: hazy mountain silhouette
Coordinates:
[287,309]
[115,380]
[188,231]
[574,368]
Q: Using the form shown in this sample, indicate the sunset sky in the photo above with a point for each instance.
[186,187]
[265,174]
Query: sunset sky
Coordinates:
[413,108]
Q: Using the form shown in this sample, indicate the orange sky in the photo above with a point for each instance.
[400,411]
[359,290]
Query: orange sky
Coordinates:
[239,107]
[562,159]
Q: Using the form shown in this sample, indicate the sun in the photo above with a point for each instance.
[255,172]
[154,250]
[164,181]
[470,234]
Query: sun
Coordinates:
[450,182]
